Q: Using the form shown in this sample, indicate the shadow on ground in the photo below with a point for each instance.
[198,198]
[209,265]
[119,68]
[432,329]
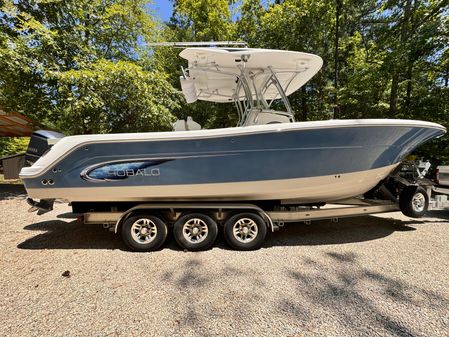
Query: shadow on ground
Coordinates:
[8,191]
[325,232]
[335,291]
[58,234]
[361,297]
[440,214]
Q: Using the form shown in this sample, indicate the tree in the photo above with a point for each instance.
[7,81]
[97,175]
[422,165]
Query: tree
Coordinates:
[46,44]
[303,26]
[204,20]
[248,25]
[115,97]
[13,145]
[411,32]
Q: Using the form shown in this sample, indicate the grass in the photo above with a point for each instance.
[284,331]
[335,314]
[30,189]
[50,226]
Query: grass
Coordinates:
[9,181]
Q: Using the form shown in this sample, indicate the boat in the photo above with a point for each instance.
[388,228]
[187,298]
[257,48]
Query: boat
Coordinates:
[268,156]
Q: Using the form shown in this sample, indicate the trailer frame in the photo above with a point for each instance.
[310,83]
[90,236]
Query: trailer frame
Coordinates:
[274,218]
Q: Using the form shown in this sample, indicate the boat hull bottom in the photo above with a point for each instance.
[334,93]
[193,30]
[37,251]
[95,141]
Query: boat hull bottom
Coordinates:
[303,190]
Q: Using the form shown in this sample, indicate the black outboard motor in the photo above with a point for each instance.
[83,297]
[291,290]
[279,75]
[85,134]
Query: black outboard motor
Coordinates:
[40,142]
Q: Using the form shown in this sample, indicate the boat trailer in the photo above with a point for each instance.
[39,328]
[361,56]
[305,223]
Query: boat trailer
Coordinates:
[144,226]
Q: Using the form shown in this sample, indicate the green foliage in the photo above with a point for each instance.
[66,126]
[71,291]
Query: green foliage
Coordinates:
[248,25]
[52,52]
[205,20]
[302,26]
[115,97]
[13,145]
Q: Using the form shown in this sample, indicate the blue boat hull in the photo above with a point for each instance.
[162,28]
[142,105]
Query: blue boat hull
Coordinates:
[275,164]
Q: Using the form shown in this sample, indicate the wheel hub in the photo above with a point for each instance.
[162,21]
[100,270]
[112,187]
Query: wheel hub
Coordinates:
[418,202]
[245,230]
[143,231]
[195,230]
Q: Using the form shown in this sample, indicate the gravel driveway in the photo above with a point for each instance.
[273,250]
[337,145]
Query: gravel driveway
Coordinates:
[377,275]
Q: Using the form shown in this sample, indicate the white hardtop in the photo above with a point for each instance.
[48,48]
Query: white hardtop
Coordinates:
[214,73]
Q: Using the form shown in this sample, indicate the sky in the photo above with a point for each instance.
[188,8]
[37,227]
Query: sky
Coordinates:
[162,9]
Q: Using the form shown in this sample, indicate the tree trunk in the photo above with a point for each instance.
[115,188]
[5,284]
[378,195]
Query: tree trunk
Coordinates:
[395,79]
[337,41]
[394,93]
[409,86]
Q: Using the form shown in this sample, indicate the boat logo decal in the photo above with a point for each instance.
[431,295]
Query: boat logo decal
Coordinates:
[112,171]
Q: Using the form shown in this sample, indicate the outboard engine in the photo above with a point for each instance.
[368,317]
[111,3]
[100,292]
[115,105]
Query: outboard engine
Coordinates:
[40,142]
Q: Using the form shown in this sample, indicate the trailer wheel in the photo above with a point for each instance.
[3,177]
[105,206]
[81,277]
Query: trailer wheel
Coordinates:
[414,201]
[144,233]
[195,231]
[245,231]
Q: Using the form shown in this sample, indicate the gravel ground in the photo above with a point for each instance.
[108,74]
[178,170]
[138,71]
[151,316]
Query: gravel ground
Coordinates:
[378,276]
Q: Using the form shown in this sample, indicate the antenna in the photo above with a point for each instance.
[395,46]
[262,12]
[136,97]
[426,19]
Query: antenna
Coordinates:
[199,44]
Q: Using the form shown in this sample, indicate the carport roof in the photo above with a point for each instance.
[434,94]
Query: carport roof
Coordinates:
[14,124]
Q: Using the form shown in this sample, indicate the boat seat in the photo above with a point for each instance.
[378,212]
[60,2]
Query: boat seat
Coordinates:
[189,125]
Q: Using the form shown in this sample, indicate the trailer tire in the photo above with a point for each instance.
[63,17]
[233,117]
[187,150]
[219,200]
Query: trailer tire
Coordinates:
[195,231]
[414,201]
[144,232]
[239,227]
